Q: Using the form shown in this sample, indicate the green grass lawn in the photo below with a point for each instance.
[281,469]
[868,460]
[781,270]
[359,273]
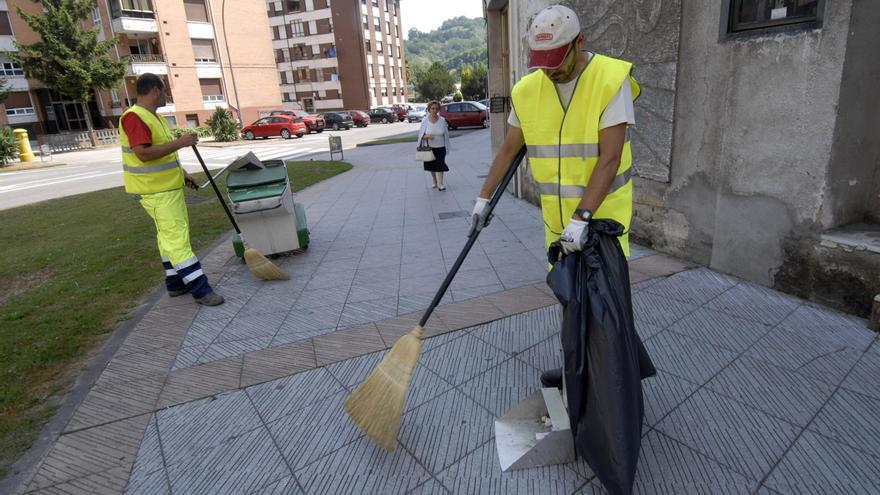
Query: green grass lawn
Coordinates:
[73,268]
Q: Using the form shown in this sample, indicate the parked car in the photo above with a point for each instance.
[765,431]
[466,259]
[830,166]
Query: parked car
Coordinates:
[338,120]
[464,114]
[276,125]
[417,113]
[383,115]
[485,102]
[361,119]
[400,111]
[314,123]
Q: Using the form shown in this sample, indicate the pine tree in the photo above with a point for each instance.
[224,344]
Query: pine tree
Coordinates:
[69,58]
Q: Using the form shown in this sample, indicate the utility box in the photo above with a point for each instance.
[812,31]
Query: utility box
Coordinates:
[263,206]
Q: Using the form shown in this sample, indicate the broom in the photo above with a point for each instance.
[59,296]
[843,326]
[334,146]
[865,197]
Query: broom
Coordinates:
[259,265]
[377,404]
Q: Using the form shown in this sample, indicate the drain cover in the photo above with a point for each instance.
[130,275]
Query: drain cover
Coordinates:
[451,214]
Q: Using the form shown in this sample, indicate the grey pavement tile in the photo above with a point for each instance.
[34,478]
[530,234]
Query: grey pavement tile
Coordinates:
[755,302]
[431,487]
[188,429]
[863,377]
[148,474]
[264,325]
[441,340]
[244,463]
[662,393]
[693,286]
[321,297]
[667,466]
[314,431]
[516,333]
[284,486]
[307,319]
[501,388]
[347,343]
[818,465]
[111,402]
[347,253]
[806,355]
[328,279]
[462,359]
[138,366]
[222,350]
[277,362]
[636,251]
[640,286]
[774,390]
[659,310]
[285,337]
[742,438]
[410,302]
[445,429]
[146,339]
[353,371]
[188,356]
[835,329]
[274,301]
[480,472]
[722,329]
[646,330]
[204,331]
[545,355]
[361,468]
[169,316]
[468,279]
[468,313]
[693,360]
[421,284]
[470,293]
[110,481]
[233,302]
[356,313]
[851,418]
[201,381]
[280,398]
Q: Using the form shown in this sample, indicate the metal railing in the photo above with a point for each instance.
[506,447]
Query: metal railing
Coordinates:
[80,140]
[146,58]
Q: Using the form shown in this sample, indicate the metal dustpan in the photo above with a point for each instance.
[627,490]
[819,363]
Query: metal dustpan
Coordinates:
[248,161]
[523,438]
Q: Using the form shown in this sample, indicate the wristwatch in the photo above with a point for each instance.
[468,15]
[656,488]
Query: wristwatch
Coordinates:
[584,214]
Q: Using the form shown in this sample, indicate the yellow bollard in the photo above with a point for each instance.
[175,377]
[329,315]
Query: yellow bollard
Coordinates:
[24,146]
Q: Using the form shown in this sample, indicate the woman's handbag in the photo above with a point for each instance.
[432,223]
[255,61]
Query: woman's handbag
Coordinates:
[424,153]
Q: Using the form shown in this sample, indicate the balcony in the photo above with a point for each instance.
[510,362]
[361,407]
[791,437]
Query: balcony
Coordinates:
[210,102]
[148,62]
[133,16]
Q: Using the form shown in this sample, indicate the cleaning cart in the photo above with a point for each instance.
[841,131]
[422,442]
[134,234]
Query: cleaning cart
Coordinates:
[263,206]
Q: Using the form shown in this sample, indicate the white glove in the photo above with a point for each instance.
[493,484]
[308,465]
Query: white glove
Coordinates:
[480,217]
[574,236]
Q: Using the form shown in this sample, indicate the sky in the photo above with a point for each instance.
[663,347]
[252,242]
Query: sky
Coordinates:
[428,15]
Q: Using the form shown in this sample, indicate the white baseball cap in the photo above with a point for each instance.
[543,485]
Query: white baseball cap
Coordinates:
[550,35]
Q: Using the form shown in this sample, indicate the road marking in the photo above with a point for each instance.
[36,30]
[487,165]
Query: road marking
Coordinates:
[63,168]
[20,187]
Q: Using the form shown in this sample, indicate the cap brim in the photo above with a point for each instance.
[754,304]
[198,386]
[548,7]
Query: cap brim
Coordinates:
[548,59]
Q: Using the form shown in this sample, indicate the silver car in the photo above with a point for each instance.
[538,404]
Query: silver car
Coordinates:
[417,113]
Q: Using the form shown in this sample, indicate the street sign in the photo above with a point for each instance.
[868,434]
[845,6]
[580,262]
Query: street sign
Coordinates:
[336,146]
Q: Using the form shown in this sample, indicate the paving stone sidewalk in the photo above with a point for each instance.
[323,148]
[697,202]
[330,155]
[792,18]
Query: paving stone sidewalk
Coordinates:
[757,392]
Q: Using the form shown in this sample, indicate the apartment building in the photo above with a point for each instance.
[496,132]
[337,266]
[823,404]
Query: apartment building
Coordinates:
[338,54]
[205,62]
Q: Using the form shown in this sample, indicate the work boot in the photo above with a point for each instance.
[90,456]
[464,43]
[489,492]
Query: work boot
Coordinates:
[210,299]
[178,292]
[552,378]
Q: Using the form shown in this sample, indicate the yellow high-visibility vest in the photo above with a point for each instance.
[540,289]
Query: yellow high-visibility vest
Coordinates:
[159,175]
[563,146]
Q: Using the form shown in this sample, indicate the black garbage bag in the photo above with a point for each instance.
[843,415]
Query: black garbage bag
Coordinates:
[604,359]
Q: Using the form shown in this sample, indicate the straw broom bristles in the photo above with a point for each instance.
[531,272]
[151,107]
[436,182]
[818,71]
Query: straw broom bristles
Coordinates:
[376,406]
[261,267]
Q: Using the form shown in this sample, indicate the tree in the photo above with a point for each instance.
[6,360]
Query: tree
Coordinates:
[473,82]
[68,58]
[5,89]
[223,125]
[435,82]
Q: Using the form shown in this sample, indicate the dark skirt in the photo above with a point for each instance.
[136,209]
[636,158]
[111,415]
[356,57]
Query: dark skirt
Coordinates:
[439,163]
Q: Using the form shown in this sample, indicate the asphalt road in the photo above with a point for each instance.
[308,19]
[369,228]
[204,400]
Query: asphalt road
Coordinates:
[93,170]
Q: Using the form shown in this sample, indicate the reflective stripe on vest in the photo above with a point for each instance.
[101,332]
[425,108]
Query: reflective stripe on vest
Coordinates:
[563,147]
[153,176]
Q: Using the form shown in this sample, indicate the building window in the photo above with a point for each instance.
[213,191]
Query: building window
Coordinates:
[387,27]
[212,91]
[378,47]
[381,71]
[370,70]
[96,16]
[749,15]
[284,77]
[367,44]
[195,10]
[5,26]
[293,6]
[396,31]
[171,119]
[297,29]
[11,69]
[384,91]
[393,91]
[18,104]
[301,52]
[366,23]
[302,74]
[203,51]
[377,25]
[375,3]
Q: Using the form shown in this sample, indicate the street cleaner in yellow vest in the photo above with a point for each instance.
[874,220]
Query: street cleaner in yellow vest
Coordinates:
[572,114]
[152,170]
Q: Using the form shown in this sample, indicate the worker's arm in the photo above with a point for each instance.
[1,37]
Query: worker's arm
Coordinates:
[611,141]
[503,160]
[147,152]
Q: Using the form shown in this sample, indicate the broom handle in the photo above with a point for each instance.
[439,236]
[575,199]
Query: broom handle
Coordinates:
[472,237]
[216,190]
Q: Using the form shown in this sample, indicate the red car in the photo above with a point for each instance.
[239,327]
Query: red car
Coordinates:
[275,125]
[361,119]
[464,114]
[314,123]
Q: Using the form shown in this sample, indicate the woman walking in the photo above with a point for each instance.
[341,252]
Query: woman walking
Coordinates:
[436,133]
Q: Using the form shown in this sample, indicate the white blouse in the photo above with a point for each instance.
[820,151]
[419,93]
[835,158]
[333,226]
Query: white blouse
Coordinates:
[437,130]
